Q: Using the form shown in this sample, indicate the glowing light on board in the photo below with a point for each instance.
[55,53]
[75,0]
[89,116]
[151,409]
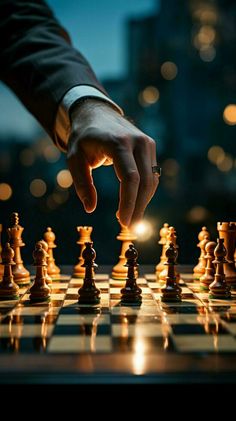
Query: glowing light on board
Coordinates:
[143,230]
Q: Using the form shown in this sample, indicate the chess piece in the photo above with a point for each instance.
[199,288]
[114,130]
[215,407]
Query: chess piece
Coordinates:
[171,238]
[9,290]
[163,240]
[1,265]
[199,270]
[131,293]
[40,291]
[20,273]
[208,277]
[172,291]
[120,270]
[84,237]
[219,288]
[47,277]
[52,269]
[89,293]
[202,258]
[227,231]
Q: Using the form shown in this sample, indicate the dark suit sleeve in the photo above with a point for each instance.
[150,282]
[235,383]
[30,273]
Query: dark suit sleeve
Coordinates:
[37,60]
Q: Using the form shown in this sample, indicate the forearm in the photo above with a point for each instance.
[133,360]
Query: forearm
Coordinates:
[37,60]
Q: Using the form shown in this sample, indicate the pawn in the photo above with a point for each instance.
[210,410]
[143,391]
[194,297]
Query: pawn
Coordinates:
[52,268]
[9,290]
[48,278]
[208,277]
[40,291]
[163,240]
[198,269]
[89,293]
[131,293]
[219,288]
[171,238]
[172,291]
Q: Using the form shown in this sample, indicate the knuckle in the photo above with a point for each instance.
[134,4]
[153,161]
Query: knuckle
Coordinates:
[132,177]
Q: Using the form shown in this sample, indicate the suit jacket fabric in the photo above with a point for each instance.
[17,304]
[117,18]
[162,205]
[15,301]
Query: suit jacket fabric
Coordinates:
[38,61]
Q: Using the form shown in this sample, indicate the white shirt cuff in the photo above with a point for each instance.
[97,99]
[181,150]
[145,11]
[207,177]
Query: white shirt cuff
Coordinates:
[62,123]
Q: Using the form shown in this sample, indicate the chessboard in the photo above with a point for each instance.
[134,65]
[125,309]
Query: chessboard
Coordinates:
[150,338]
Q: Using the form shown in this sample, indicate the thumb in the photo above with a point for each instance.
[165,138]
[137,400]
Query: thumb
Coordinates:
[83,181]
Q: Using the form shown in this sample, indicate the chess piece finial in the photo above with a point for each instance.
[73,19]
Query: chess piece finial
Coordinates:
[227,231]
[163,240]
[20,273]
[89,293]
[40,291]
[199,269]
[172,291]
[84,237]
[131,293]
[208,277]
[9,290]
[52,269]
[219,288]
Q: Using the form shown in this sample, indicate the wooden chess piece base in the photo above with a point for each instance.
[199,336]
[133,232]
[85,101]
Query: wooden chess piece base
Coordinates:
[219,289]
[9,290]
[171,293]
[21,275]
[39,294]
[89,294]
[131,295]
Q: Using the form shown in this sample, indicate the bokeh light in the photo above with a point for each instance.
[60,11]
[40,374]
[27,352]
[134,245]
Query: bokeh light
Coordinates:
[150,95]
[170,167]
[216,154]
[197,214]
[38,187]
[169,70]
[229,114]
[207,53]
[64,179]
[5,191]
[226,164]
[51,153]
[143,230]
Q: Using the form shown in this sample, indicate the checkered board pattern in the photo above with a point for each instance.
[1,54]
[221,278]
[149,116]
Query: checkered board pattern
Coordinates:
[196,325]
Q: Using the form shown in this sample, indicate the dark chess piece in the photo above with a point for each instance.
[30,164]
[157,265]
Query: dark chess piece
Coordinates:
[171,238]
[208,277]
[9,290]
[219,288]
[199,269]
[45,247]
[20,273]
[88,293]
[172,291]
[52,269]
[131,293]
[40,291]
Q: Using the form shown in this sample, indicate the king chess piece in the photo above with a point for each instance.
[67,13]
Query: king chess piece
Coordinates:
[172,291]
[40,291]
[131,293]
[208,277]
[199,270]
[120,270]
[219,289]
[84,237]
[163,240]
[227,231]
[1,265]
[9,290]
[20,273]
[89,293]
[52,269]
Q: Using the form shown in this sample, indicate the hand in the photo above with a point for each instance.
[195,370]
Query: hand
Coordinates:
[101,136]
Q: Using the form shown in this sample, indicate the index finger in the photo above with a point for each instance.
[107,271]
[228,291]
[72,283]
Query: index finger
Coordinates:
[127,172]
